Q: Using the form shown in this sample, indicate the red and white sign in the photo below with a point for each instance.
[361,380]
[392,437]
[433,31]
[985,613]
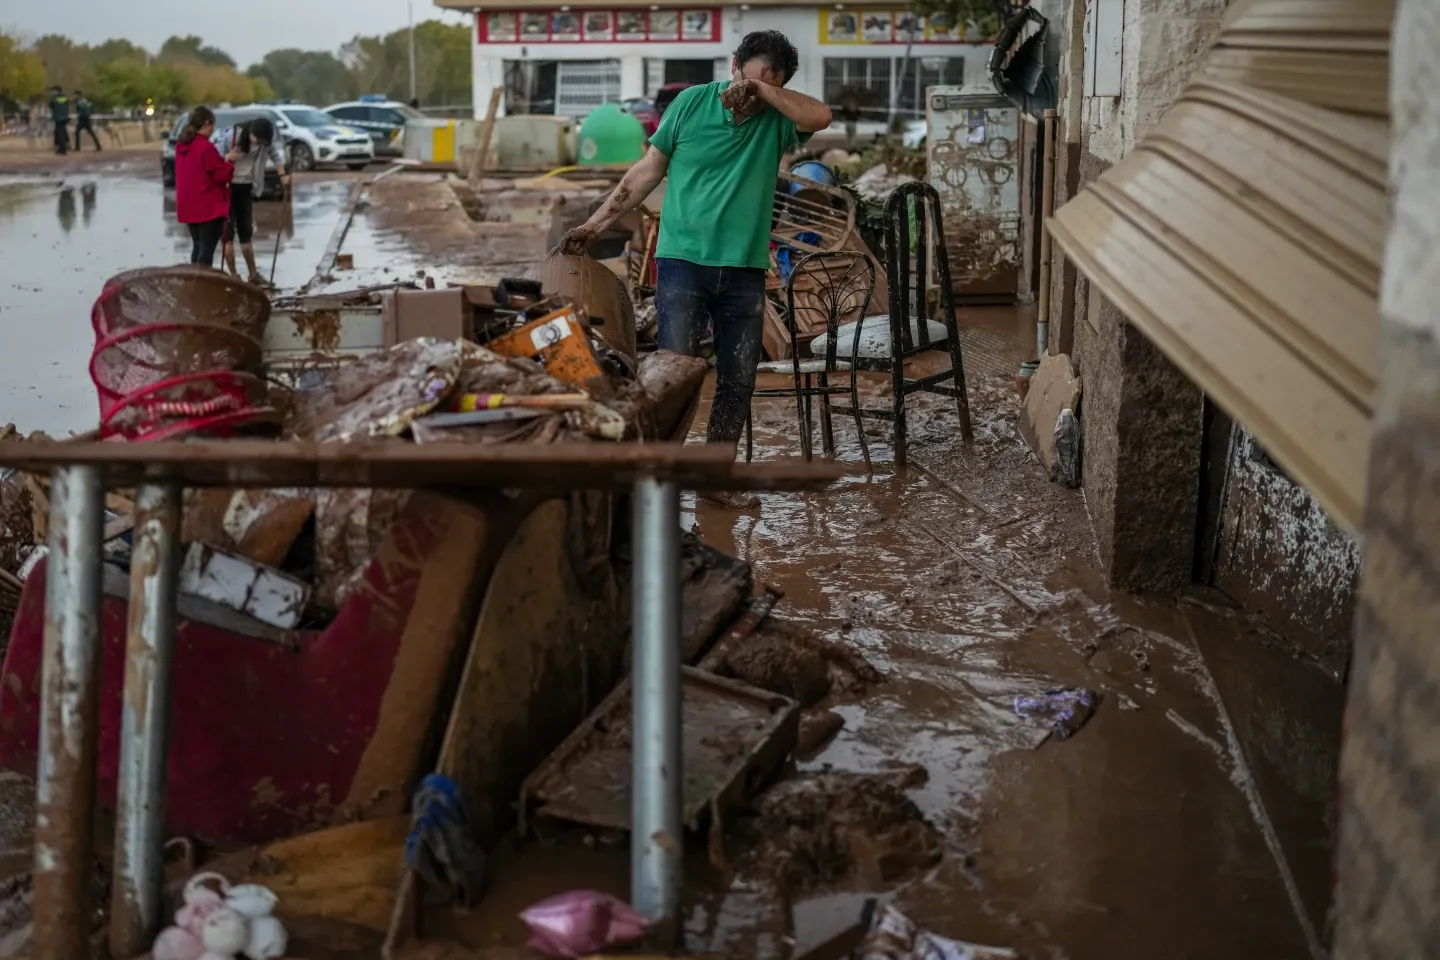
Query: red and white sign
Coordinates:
[630,25]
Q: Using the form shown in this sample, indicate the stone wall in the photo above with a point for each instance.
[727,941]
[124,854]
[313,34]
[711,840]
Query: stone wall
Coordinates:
[1142,420]
[1388,865]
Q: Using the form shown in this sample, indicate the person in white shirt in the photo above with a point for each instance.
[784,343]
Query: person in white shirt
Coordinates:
[254,142]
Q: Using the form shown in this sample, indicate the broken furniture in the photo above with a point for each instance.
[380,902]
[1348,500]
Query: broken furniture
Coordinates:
[76,617]
[825,291]
[735,736]
[914,229]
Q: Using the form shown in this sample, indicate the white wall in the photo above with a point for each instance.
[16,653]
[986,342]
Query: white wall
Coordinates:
[800,24]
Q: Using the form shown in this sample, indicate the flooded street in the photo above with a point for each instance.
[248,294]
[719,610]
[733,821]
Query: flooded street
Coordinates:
[62,238]
[968,580]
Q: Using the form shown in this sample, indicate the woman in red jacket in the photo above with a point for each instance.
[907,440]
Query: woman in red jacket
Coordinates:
[202,185]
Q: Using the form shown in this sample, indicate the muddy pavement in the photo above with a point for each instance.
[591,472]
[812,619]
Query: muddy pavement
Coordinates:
[1139,836]
[62,236]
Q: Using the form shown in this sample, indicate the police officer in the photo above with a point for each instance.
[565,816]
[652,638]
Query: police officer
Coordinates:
[83,109]
[60,114]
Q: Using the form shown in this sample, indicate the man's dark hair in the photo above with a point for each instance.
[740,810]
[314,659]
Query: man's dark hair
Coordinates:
[773,47]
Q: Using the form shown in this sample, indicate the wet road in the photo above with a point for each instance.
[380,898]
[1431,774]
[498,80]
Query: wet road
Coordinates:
[61,239]
[1142,836]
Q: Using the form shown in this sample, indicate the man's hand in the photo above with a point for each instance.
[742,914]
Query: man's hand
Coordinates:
[743,95]
[578,240]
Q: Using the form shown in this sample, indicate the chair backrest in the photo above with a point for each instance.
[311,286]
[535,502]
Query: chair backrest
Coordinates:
[824,291]
[914,230]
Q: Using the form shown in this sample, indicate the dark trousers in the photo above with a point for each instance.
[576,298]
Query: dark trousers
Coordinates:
[83,126]
[204,238]
[62,138]
[732,299]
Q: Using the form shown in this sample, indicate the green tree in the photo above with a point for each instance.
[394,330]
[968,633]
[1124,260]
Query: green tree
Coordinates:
[178,49]
[442,62]
[120,84]
[982,18]
[169,87]
[308,76]
[67,63]
[22,73]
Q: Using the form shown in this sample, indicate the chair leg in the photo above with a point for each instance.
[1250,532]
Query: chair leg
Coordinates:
[957,364]
[897,383]
[749,436]
[859,420]
[801,422]
[809,415]
[827,426]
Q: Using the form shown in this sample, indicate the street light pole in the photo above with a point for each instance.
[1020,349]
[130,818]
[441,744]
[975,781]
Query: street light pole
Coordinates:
[413,92]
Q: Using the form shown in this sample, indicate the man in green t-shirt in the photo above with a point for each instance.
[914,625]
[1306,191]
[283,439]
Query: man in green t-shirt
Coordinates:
[721,144]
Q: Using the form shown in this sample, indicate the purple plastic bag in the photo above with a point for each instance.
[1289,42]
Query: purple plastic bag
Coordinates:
[581,922]
[1067,709]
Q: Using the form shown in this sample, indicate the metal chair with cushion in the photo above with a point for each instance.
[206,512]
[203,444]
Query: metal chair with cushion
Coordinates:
[825,292]
[883,343]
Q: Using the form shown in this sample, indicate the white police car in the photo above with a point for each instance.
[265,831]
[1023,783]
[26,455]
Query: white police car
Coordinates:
[313,137]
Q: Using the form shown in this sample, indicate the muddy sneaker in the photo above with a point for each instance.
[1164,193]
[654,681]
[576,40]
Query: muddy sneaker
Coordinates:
[735,500]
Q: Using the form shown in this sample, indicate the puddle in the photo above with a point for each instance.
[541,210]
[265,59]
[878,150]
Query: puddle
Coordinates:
[63,238]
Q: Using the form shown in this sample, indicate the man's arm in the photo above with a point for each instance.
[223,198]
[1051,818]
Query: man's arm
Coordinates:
[808,114]
[632,190]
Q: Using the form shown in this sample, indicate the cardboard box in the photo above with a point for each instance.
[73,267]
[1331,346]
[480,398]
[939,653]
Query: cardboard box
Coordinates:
[443,314]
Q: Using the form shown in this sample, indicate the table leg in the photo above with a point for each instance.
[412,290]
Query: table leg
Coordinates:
[135,907]
[657,833]
[69,721]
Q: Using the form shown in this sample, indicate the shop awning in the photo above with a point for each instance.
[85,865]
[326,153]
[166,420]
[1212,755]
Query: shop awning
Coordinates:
[1244,234]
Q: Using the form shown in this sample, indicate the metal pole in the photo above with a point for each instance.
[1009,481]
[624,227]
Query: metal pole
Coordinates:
[413,86]
[145,720]
[65,793]
[656,832]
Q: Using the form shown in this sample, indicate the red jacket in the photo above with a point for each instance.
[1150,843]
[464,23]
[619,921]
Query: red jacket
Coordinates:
[202,182]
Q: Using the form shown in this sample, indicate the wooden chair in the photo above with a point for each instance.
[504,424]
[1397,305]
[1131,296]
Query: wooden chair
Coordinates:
[824,292]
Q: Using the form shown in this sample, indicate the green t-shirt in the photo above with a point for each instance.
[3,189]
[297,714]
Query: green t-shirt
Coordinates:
[721,192]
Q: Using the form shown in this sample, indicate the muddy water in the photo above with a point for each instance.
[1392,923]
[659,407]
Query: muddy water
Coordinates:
[60,240]
[1141,836]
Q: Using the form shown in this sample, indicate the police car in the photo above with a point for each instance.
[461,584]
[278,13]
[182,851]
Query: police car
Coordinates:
[383,119]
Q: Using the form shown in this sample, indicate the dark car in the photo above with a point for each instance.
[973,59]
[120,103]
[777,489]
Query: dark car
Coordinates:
[384,120]
[643,109]
[274,189]
[666,95]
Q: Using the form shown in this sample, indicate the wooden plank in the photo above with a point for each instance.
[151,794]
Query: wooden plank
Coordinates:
[397,464]
[477,163]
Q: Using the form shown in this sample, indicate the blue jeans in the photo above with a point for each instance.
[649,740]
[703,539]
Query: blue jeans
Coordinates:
[732,299]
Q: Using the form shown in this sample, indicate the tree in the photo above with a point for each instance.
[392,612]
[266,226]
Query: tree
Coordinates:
[177,49]
[308,76]
[981,17]
[442,61]
[22,73]
[65,62]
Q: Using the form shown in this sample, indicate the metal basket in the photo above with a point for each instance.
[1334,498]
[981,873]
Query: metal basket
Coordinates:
[183,294]
[132,360]
[215,402]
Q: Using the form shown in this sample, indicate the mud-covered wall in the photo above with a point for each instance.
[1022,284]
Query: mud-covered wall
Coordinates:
[1141,419]
[1280,555]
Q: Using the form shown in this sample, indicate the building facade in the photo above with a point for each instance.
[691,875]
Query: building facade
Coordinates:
[872,61]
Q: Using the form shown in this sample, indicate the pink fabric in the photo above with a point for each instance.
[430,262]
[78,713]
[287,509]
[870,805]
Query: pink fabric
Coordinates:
[580,923]
[202,182]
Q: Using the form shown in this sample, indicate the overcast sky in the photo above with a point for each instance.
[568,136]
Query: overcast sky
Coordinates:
[246,30]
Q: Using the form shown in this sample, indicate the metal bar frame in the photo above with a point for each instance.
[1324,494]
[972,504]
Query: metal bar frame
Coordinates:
[69,722]
[657,838]
[135,904]
[64,831]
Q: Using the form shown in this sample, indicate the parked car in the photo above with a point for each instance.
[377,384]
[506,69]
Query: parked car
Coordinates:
[643,109]
[666,95]
[274,189]
[383,119]
[313,137]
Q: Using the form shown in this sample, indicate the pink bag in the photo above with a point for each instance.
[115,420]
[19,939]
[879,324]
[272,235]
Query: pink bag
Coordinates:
[581,922]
